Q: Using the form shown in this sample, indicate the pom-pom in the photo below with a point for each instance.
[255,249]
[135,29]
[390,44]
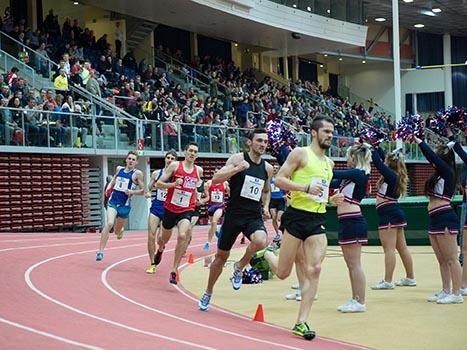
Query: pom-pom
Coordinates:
[412,125]
[373,135]
[281,140]
[454,118]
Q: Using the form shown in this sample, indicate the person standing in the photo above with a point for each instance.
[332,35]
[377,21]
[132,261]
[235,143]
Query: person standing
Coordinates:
[307,174]
[118,39]
[248,175]
[156,212]
[391,185]
[179,205]
[120,190]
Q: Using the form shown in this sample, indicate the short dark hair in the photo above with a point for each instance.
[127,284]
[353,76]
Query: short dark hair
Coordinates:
[317,122]
[253,132]
[172,152]
[133,153]
[191,144]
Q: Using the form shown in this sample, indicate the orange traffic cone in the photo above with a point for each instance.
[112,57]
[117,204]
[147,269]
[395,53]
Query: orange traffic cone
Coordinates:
[259,315]
[190,259]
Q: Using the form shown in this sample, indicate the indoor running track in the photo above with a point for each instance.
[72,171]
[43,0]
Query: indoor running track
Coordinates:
[54,295]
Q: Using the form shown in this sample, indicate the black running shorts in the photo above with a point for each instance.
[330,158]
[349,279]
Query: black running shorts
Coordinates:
[235,224]
[303,224]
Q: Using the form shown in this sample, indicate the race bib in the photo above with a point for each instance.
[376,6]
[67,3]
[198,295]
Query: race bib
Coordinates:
[121,184]
[181,198]
[252,188]
[161,194]
[274,188]
[217,196]
[324,195]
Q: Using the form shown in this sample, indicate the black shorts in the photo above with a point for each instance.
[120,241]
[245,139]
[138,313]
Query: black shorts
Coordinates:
[303,224]
[441,219]
[278,204]
[196,212]
[171,219]
[352,230]
[234,224]
[391,216]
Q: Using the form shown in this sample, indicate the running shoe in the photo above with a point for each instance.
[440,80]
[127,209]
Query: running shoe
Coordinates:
[151,269]
[277,237]
[158,257]
[406,282]
[206,246]
[204,302]
[433,298]
[384,285]
[120,234]
[303,330]
[464,291]
[295,286]
[450,299]
[348,302]
[353,306]
[99,256]
[237,277]
[173,278]
[293,295]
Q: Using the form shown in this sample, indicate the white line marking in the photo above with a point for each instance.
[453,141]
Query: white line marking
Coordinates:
[104,281]
[27,278]
[49,335]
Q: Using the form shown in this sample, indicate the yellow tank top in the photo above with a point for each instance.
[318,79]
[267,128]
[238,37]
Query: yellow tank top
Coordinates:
[317,171]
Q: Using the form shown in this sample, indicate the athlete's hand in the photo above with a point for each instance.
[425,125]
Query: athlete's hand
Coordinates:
[242,166]
[315,190]
[148,194]
[337,199]
[178,181]
[128,192]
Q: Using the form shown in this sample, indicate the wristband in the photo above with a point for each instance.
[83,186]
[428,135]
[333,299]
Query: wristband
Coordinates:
[307,188]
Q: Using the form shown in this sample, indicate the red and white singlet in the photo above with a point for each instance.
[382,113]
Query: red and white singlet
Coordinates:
[182,198]
[216,194]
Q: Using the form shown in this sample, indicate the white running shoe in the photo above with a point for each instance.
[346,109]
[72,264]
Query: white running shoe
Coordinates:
[346,304]
[406,282]
[295,286]
[353,306]
[451,299]
[384,285]
[464,291]
[294,295]
[433,298]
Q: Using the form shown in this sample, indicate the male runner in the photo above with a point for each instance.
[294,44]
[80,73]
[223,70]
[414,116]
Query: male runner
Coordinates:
[119,191]
[156,212]
[307,173]
[248,176]
[179,205]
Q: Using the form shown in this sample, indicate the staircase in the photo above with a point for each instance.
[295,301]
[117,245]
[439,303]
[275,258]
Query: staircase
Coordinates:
[138,31]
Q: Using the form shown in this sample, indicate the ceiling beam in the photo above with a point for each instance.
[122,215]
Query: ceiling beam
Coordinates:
[404,37]
[373,43]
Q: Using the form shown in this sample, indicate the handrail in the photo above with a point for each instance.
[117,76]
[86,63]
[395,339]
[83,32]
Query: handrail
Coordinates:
[19,63]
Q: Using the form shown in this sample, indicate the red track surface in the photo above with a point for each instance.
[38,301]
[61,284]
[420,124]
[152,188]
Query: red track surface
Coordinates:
[54,295]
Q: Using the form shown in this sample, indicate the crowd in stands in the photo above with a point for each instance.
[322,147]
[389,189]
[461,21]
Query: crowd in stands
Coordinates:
[168,95]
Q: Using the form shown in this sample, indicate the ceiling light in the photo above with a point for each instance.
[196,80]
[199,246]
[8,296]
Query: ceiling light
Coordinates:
[325,55]
[328,11]
[321,66]
[436,10]
[294,5]
[380,19]
[235,44]
[408,1]
[308,8]
[427,12]
[75,3]
[419,25]
[340,58]
[363,61]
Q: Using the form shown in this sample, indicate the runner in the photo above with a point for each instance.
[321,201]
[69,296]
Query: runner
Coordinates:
[119,191]
[156,213]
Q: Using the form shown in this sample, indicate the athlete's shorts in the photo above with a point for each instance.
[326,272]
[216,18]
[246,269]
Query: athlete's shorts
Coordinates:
[303,224]
[122,210]
[234,224]
[157,210]
[352,230]
[391,215]
[213,207]
[278,204]
[196,212]
[171,219]
[441,219]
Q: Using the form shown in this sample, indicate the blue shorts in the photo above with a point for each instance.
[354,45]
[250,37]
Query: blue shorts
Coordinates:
[213,207]
[122,210]
[352,230]
[157,210]
[441,219]
[391,216]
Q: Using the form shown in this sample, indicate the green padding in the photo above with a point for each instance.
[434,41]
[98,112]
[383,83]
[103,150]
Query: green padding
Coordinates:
[415,209]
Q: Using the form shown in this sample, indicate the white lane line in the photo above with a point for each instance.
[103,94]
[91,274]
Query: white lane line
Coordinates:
[27,278]
[104,281]
[49,335]
[61,245]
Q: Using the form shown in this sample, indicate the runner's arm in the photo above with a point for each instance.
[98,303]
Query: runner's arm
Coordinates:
[234,165]
[168,174]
